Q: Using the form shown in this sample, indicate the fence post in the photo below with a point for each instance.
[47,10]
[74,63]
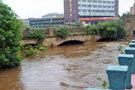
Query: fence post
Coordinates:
[132,45]
[131,51]
[117,77]
[127,59]
[133,41]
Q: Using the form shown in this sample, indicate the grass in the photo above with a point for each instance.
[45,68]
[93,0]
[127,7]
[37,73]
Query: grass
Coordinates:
[104,82]
[120,48]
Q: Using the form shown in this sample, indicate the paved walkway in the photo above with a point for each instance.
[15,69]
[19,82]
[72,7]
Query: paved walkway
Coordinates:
[133,81]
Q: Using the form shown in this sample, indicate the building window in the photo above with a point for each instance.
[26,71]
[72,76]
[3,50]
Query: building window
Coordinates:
[99,1]
[109,2]
[84,10]
[84,5]
[79,5]
[94,1]
[112,2]
[83,0]
[89,10]
[104,1]
[89,5]
[94,6]
[104,6]
[79,10]
[99,6]
[89,0]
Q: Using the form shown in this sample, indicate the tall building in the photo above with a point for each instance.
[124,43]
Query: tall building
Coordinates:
[89,10]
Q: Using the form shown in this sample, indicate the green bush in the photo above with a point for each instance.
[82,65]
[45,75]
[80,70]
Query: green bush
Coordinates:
[110,30]
[62,32]
[77,24]
[10,37]
[36,34]
[91,30]
[29,51]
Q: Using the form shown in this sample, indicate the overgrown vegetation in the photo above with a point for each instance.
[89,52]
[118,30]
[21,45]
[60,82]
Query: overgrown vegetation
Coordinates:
[10,36]
[36,34]
[91,30]
[62,32]
[29,50]
[104,82]
[120,48]
[77,24]
[113,29]
[127,14]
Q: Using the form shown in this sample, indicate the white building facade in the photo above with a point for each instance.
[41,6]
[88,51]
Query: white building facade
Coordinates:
[96,8]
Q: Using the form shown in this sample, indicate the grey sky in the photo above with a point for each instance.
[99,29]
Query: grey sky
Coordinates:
[38,8]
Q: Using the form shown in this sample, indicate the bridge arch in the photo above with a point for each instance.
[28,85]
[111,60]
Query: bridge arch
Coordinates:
[71,42]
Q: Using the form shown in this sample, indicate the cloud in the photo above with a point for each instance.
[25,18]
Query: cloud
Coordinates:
[38,8]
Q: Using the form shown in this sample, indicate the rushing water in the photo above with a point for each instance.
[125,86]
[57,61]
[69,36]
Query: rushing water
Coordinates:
[73,67]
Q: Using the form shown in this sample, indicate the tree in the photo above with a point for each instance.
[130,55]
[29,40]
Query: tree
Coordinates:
[77,24]
[113,29]
[10,36]
[127,14]
[62,32]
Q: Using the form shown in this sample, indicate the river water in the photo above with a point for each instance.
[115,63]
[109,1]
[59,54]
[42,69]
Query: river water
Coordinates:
[72,67]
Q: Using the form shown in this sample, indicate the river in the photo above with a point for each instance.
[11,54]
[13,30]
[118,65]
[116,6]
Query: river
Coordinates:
[72,67]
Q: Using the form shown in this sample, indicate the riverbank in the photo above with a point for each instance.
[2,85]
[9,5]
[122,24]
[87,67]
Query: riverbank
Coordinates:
[73,67]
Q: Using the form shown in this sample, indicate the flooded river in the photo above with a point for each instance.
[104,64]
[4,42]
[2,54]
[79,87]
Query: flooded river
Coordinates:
[73,67]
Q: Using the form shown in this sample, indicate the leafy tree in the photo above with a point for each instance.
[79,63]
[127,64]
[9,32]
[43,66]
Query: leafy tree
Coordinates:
[77,24]
[36,34]
[113,29]
[62,32]
[127,14]
[91,30]
[10,36]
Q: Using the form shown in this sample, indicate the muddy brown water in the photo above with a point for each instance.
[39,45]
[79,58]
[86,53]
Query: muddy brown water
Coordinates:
[73,67]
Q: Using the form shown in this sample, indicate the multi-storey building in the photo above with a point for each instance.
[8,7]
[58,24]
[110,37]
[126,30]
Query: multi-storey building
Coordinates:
[48,20]
[42,23]
[88,10]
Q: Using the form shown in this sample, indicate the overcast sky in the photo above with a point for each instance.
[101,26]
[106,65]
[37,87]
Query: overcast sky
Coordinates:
[38,8]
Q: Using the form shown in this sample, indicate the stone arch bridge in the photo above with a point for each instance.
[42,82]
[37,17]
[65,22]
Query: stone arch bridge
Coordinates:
[55,41]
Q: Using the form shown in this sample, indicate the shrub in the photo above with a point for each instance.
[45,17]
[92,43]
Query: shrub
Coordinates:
[77,24]
[110,30]
[62,32]
[36,34]
[29,51]
[10,37]
[91,30]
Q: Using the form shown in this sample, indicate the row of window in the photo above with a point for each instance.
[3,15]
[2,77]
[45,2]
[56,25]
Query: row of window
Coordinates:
[98,1]
[95,6]
[100,11]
